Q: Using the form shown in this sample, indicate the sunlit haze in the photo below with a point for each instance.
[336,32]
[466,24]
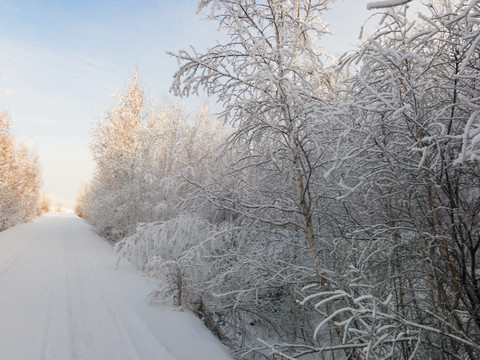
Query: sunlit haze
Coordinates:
[61,62]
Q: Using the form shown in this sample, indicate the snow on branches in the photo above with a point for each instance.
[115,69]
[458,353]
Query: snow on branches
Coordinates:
[340,216]
[20,180]
[386,4]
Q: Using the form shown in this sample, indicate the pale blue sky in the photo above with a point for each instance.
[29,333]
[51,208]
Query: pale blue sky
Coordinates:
[62,60]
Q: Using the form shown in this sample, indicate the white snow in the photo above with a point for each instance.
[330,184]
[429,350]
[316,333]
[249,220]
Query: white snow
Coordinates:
[61,297]
[386,3]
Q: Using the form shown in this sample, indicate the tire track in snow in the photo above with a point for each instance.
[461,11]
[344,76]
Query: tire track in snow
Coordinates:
[53,304]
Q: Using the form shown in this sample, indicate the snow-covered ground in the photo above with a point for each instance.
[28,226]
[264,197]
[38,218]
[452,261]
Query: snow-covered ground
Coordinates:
[61,297]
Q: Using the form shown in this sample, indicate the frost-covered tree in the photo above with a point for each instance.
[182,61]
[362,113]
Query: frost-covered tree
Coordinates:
[122,147]
[144,157]
[269,77]
[276,91]
[19,179]
[367,178]
[408,121]
[339,218]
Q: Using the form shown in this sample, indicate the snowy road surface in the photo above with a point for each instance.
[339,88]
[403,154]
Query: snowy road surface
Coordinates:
[62,298]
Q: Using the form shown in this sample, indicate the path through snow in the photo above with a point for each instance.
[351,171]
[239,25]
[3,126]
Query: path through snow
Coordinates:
[62,298]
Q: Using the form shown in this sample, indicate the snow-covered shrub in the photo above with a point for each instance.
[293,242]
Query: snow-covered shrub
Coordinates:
[179,254]
[171,252]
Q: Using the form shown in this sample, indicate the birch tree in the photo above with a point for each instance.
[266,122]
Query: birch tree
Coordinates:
[122,146]
[269,77]
[144,155]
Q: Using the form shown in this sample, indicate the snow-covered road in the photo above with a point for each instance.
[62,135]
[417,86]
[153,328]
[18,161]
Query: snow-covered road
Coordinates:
[61,297]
